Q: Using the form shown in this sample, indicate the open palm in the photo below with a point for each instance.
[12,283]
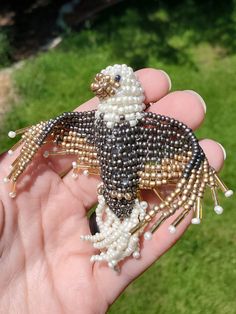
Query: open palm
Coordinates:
[45,266]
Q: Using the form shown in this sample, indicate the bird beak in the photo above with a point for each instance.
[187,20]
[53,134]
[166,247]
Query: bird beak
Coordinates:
[104,86]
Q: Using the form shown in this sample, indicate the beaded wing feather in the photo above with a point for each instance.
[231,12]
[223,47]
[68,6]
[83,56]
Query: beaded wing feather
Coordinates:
[131,150]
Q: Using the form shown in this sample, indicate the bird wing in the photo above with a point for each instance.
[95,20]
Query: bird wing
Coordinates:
[169,171]
[168,151]
[72,133]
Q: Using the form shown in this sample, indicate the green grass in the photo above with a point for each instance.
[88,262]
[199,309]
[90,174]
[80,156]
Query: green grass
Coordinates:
[4,49]
[195,44]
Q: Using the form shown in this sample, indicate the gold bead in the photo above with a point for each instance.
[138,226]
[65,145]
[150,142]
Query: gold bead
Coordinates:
[151,213]
[156,208]
[128,196]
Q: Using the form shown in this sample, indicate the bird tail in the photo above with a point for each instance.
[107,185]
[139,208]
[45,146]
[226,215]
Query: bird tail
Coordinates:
[114,238]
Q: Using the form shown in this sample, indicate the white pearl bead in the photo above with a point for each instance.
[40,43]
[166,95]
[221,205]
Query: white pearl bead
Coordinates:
[133,122]
[119,100]
[46,154]
[136,254]
[115,109]
[120,110]
[110,124]
[92,259]
[75,175]
[133,90]
[10,152]
[100,198]
[148,235]
[74,164]
[130,100]
[196,221]
[138,115]
[130,109]
[127,90]
[218,209]
[132,116]
[113,262]
[86,173]
[5,180]
[12,194]
[229,193]
[12,134]
[172,229]
[144,205]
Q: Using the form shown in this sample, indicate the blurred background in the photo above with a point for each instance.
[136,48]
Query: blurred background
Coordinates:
[49,52]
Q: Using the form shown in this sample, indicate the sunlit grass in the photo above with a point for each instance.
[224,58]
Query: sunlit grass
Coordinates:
[197,275]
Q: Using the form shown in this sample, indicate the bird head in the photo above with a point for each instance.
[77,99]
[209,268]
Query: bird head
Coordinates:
[105,85]
[120,94]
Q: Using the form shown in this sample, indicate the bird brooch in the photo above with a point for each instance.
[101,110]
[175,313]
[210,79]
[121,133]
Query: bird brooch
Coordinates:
[131,150]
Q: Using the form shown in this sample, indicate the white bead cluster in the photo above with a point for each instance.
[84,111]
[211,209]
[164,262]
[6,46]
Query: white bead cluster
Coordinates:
[114,238]
[128,100]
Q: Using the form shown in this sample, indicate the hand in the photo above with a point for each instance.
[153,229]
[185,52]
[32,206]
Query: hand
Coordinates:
[45,266]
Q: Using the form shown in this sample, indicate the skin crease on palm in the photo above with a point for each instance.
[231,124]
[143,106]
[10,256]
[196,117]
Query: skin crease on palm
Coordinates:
[45,266]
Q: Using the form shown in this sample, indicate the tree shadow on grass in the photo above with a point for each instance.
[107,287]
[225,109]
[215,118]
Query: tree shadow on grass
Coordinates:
[137,31]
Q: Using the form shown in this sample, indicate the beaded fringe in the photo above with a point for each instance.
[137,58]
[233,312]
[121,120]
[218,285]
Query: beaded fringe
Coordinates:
[114,239]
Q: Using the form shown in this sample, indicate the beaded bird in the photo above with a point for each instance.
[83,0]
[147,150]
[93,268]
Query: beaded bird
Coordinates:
[131,150]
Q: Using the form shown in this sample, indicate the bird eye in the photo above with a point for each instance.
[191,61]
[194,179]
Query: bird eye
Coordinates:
[117,78]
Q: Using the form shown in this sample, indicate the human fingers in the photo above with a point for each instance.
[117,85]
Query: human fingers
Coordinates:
[185,106]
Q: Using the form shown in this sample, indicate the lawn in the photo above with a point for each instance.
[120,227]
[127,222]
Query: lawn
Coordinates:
[196,45]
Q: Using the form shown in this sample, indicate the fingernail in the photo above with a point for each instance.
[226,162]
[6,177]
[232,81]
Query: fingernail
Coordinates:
[168,79]
[223,149]
[199,97]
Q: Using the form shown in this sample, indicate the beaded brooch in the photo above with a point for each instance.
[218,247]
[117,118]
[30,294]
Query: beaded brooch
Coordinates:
[131,150]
